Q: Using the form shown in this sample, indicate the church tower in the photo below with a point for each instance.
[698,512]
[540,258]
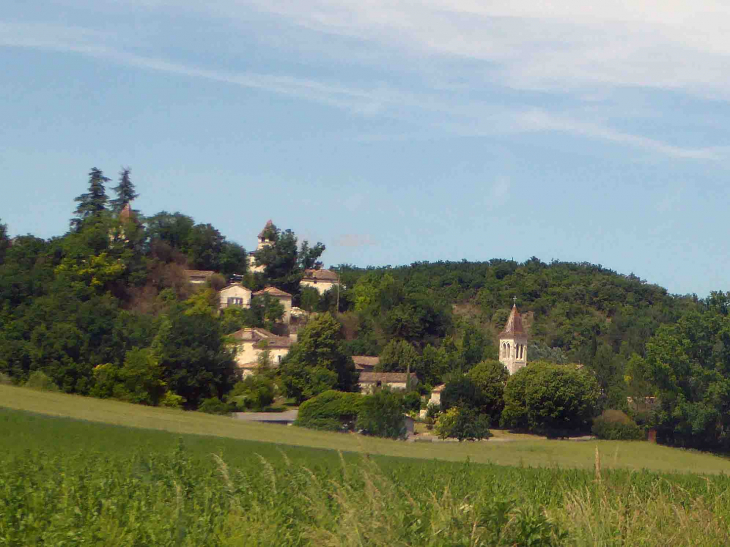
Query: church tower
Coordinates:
[513,343]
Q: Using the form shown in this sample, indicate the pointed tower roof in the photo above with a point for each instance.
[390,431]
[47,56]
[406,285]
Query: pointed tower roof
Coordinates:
[126,213]
[269,224]
[513,328]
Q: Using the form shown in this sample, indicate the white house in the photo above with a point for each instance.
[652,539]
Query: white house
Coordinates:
[320,280]
[235,294]
[436,395]
[250,343]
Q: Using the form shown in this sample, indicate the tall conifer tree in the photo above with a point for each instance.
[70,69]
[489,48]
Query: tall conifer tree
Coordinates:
[124,190]
[92,203]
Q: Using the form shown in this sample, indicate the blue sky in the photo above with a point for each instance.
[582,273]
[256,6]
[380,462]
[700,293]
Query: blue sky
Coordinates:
[391,130]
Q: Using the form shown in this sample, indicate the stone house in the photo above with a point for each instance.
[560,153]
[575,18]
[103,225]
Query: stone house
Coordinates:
[235,294]
[320,280]
[250,343]
[436,395]
[369,381]
[283,297]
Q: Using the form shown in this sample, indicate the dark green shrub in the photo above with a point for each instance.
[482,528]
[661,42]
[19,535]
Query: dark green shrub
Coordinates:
[412,401]
[381,415]
[255,392]
[214,406]
[614,425]
[329,408]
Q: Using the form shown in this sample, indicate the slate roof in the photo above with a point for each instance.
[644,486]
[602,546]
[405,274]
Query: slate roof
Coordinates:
[363,362]
[386,377]
[199,273]
[320,275]
[513,328]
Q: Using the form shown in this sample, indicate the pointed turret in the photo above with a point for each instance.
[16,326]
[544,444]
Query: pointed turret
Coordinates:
[513,342]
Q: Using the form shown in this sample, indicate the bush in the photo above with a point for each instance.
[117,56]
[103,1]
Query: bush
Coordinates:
[214,405]
[412,402]
[5,380]
[331,410]
[172,400]
[464,424]
[38,380]
[614,425]
[255,392]
[381,415]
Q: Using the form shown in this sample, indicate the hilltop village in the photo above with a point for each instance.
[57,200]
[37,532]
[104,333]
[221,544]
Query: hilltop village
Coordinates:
[162,310]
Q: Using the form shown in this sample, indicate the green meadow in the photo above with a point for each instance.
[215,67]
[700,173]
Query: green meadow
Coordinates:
[78,471]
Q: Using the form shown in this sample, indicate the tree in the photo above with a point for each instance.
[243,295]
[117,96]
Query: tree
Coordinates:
[462,392]
[317,360]
[93,202]
[124,190]
[381,415]
[550,399]
[172,228]
[195,361]
[4,242]
[398,356]
[490,377]
[689,365]
[464,424]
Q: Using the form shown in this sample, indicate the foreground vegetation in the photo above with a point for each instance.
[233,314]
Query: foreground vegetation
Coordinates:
[65,482]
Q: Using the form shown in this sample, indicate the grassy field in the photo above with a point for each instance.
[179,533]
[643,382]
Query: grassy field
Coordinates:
[72,482]
[543,453]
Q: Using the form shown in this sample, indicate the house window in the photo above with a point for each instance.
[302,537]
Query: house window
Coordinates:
[235,301]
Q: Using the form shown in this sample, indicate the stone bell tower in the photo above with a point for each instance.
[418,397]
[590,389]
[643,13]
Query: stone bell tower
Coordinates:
[513,342]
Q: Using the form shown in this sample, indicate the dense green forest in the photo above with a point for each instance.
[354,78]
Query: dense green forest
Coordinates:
[106,310]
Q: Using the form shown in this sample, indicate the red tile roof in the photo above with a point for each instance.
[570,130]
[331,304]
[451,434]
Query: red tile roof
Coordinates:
[269,225]
[272,291]
[365,361]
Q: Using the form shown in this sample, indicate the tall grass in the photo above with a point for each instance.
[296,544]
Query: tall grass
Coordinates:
[117,486]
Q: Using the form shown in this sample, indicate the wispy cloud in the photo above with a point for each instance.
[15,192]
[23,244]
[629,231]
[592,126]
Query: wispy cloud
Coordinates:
[459,55]
[354,240]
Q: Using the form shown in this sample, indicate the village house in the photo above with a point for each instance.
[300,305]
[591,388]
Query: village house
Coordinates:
[436,395]
[235,294]
[250,343]
[369,381]
[320,280]
[284,299]
[365,363]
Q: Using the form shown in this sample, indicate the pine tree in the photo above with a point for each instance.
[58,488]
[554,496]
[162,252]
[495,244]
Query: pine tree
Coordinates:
[124,190]
[94,201]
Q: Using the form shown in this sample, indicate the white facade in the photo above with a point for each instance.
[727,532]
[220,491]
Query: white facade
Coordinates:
[235,295]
